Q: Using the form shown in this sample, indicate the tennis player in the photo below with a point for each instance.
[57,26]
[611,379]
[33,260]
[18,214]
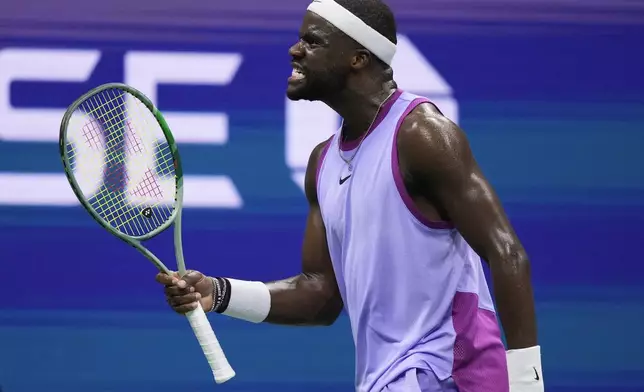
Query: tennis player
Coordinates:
[400,218]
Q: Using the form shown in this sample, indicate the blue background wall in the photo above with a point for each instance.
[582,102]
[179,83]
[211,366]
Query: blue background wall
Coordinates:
[551,95]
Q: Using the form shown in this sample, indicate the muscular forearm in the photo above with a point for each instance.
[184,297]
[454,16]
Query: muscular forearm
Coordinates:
[514,297]
[303,300]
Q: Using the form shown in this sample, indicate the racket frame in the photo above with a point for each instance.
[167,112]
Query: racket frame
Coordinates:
[222,370]
[174,218]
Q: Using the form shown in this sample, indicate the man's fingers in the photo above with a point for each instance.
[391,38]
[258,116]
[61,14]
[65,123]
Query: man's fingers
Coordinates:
[191,278]
[174,291]
[176,301]
[180,292]
[183,309]
[166,279]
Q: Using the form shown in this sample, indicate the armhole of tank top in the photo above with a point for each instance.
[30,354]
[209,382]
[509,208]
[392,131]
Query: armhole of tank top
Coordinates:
[398,178]
[320,162]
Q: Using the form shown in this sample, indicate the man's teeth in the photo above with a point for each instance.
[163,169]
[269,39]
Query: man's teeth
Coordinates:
[297,74]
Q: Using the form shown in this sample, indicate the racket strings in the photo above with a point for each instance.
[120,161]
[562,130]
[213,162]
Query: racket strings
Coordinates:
[147,187]
[135,180]
[109,202]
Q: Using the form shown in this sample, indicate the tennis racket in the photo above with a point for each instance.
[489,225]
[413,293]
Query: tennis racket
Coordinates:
[123,164]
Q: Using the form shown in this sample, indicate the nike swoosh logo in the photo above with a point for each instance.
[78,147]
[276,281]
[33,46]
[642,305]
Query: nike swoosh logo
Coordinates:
[343,180]
[536,375]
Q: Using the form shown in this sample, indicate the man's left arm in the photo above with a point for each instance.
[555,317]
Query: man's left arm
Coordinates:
[436,154]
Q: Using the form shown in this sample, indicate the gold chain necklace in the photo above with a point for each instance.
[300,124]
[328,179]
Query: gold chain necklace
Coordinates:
[349,161]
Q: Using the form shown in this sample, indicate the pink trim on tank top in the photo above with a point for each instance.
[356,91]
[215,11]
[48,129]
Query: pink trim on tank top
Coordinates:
[480,363]
[352,144]
[400,183]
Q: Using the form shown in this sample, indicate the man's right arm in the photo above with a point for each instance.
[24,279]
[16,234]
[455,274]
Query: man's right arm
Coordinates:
[310,298]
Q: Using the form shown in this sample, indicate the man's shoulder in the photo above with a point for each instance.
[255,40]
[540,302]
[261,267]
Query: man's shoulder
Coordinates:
[317,154]
[320,149]
[425,127]
[310,180]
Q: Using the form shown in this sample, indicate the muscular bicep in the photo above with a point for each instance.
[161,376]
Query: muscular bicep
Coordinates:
[445,171]
[442,165]
[476,211]
[311,297]
[315,251]
[317,269]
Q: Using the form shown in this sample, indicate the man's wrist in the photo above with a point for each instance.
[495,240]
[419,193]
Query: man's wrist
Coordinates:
[524,369]
[250,301]
[220,294]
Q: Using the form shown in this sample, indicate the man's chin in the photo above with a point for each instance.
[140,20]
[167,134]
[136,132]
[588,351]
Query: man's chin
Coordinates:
[300,92]
[292,96]
[295,93]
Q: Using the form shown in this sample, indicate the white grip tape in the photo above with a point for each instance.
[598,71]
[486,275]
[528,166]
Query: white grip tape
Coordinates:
[217,360]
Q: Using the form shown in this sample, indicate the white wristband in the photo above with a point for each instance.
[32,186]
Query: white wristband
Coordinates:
[250,301]
[524,369]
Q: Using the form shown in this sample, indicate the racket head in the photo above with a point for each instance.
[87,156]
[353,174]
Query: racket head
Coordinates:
[122,161]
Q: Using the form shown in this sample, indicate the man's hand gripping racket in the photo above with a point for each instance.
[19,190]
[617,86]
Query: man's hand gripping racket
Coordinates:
[123,164]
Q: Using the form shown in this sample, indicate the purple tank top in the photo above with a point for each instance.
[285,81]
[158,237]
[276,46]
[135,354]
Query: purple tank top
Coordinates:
[414,290]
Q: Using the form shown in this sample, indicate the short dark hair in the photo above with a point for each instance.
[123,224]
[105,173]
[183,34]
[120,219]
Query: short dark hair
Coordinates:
[374,13]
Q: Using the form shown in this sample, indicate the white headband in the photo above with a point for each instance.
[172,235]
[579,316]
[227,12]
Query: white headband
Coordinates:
[355,28]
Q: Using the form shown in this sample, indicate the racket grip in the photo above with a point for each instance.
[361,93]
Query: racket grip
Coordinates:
[217,360]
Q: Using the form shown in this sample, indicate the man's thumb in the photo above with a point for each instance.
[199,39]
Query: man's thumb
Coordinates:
[191,278]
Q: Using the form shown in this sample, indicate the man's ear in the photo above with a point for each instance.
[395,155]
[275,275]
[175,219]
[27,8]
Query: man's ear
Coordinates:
[361,59]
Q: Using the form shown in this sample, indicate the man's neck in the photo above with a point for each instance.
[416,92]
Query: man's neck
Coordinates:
[358,107]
